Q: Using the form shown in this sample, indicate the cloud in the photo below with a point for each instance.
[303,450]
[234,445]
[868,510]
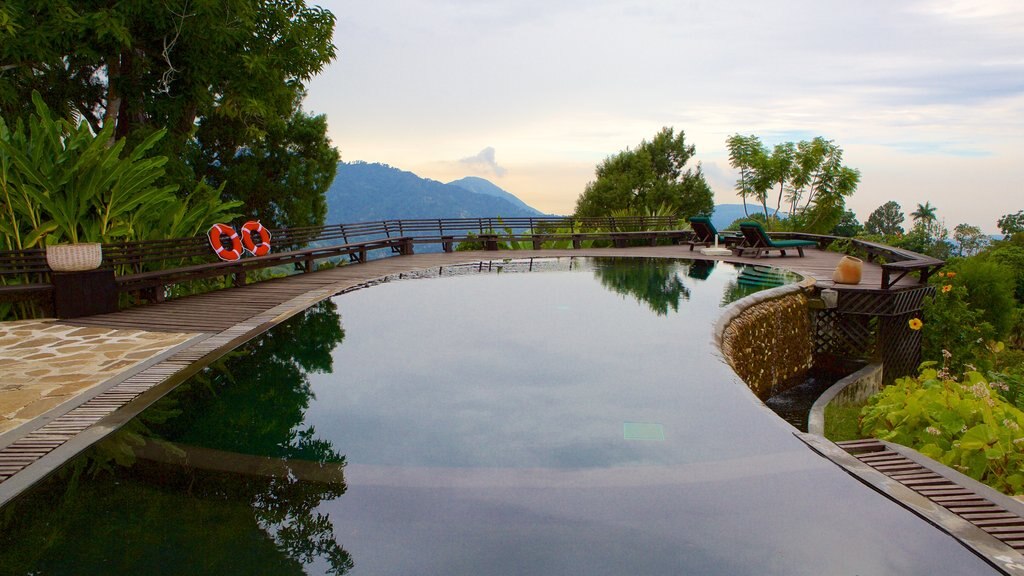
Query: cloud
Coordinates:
[484,162]
[940,149]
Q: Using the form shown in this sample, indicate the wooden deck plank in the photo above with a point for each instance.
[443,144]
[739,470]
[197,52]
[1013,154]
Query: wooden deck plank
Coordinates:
[1006,526]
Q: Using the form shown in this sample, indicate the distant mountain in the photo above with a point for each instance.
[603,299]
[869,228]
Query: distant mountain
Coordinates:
[726,214]
[364,192]
[482,186]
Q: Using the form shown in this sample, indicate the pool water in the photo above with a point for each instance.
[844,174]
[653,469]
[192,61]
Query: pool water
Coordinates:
[549,417]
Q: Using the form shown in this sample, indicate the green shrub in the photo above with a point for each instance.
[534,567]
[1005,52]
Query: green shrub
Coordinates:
[1009,374]
[966,425]
[1012,257]
[951,324]
[990,289]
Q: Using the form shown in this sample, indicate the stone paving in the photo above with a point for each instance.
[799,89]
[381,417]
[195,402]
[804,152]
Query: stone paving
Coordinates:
[44,364]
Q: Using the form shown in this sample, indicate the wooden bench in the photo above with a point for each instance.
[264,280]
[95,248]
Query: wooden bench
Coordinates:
[925,267]
[24,276]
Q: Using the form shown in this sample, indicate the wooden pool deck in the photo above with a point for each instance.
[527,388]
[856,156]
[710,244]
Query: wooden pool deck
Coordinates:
[218,311]
[217,322]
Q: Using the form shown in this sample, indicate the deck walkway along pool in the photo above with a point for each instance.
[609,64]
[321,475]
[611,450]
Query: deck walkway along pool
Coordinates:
[180,337]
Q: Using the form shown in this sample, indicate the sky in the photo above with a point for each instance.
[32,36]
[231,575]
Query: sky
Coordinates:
[926,98]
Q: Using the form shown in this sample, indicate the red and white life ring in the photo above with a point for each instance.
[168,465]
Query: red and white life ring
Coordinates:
[216,234]
[251,228]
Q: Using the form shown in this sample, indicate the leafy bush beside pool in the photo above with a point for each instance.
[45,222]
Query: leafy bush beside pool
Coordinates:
[966,425]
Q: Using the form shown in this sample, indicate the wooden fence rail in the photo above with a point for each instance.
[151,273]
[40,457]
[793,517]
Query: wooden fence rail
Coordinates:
[147,268]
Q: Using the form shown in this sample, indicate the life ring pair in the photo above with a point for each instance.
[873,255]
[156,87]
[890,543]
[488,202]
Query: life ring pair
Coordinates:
[232,249]
[253,231]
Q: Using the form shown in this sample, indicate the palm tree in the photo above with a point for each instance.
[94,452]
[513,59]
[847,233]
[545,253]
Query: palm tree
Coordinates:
[925,213]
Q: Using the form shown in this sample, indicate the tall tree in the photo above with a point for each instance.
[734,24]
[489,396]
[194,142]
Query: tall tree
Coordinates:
[747,154]
[821,182]
[969,239]
[810,175]
[780,168]
[925,213]
[926,221]
[644,180]
[886,220]
[189,66]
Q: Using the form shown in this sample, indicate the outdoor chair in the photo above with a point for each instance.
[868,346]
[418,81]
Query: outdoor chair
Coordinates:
[704,234]
[757,240]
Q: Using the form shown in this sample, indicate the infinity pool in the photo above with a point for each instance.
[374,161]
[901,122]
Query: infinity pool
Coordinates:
[572,419]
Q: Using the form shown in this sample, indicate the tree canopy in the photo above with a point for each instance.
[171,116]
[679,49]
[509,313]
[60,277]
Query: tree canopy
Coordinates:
[225,79]
[848,225]
[1011,224]
[886,220]
[969,239]
[648,179]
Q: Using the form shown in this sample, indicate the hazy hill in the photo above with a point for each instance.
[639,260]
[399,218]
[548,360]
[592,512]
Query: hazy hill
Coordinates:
[482,186]
[366,192]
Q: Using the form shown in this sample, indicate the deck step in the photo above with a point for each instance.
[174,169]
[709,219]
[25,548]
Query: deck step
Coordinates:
[1002,524]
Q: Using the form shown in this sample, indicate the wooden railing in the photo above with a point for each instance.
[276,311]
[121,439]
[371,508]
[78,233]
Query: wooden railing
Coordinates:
[157,263]
[152,265]
[895,262]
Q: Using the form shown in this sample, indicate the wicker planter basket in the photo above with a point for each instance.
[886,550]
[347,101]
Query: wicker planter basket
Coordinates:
[74,257]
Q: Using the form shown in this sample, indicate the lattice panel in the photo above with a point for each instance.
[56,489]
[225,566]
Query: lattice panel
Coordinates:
[864,302]
[883,303]
[909,301]
[900,346]
[844,334]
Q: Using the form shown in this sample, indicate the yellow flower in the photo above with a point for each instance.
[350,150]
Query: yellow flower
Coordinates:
[915,323]
[947,288]
[950,274]
[942,274]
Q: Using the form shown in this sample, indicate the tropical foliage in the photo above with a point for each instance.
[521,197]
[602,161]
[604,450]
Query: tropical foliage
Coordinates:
[61,182]
[224,79]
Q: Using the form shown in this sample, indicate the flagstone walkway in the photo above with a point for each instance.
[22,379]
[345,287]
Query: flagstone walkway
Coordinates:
[45,364]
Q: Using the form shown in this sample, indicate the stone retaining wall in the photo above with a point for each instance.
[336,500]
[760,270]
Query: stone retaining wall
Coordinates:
[767,338]
[854,390]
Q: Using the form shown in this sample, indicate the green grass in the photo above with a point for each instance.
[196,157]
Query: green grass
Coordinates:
[841,422]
